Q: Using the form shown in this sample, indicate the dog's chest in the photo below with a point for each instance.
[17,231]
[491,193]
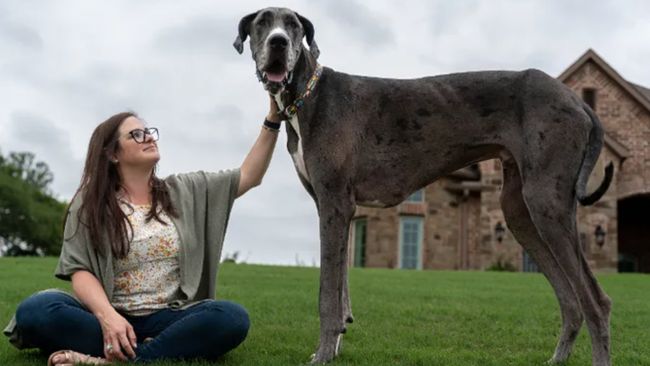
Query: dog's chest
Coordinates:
[297,156]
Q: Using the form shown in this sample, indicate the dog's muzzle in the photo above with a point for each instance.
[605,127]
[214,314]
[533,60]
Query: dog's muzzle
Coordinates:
[275,74]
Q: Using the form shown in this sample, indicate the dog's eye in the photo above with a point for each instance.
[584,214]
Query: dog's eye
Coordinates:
[264,19]
[291,24]
[263,22]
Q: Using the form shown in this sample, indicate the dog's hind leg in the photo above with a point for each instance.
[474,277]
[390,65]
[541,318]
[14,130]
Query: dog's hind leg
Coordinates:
[551,204]
[521,225]
[335,214]
[347,305]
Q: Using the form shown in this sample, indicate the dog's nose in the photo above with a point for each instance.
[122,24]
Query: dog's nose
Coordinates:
[279,42]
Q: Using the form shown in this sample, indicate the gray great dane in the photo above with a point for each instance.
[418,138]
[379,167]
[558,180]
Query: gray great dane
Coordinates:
[359,140]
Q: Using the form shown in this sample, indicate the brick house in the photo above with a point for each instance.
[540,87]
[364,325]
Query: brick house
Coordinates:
[456,222]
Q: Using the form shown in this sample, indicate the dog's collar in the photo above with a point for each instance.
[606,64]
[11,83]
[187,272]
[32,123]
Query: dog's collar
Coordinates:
[297,104]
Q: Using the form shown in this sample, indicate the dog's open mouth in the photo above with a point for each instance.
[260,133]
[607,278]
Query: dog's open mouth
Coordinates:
[276,72]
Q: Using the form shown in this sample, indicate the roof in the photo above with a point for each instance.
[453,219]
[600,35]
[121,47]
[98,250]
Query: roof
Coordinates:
[639,93]
[645,91]
[616,147]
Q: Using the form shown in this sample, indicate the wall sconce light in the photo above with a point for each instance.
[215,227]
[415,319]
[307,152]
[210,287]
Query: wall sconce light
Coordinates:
[499,231]
[600,234]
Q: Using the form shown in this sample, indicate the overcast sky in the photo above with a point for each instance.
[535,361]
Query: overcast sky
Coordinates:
[66,66]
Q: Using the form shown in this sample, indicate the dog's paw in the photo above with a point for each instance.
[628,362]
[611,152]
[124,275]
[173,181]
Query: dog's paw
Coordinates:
[319,359]
[327,351]
[555,362]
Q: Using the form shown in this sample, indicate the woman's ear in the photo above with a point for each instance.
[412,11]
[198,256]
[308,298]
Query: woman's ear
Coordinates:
[111,156]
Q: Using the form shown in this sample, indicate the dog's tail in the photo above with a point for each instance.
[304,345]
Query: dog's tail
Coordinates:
[591,156]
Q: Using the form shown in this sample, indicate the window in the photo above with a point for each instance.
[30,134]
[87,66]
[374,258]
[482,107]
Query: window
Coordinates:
[529,263]
[589,96]
[360,229]
[410,236]
[417,196]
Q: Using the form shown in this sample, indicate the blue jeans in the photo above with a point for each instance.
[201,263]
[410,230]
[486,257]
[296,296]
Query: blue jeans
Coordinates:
[54,321]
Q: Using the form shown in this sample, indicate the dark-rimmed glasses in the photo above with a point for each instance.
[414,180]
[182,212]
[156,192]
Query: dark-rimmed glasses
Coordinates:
[139,135]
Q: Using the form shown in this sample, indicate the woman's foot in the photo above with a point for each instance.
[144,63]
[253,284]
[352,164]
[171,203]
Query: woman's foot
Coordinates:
[67,357]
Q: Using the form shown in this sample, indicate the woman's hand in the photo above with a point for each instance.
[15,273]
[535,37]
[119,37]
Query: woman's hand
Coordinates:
[274,113]
[116,330]
[119,334]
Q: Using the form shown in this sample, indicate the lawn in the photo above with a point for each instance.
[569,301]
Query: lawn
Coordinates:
[402,317]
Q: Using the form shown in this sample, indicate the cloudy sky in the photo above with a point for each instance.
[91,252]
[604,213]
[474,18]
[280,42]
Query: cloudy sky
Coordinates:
[67,65]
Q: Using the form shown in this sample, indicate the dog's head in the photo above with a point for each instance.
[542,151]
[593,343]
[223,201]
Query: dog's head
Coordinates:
[276,43]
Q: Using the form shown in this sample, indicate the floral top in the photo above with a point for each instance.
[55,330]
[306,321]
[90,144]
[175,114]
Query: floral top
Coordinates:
[149,277]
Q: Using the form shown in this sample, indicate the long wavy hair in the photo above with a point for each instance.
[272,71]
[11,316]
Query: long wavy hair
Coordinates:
[100,210]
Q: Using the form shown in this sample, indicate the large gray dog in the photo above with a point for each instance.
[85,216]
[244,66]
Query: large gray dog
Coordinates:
[372,141]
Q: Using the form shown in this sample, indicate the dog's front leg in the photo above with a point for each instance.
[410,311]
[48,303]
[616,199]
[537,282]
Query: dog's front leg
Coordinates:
[335,213]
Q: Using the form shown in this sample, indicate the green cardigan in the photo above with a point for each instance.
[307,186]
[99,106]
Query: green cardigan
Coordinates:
[203,201]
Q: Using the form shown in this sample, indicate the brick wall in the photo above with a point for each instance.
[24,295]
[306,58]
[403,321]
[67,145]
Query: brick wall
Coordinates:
[625,120]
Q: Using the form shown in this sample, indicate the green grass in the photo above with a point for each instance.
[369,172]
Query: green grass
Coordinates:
[402,317]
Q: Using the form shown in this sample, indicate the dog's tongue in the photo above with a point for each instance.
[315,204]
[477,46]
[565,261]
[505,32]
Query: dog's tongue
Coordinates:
[277,77]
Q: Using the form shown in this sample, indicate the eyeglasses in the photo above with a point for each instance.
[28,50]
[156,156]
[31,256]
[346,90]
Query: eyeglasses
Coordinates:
[139,135]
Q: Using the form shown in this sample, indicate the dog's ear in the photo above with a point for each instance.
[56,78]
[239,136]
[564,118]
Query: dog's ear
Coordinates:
[244,30]
[309,34]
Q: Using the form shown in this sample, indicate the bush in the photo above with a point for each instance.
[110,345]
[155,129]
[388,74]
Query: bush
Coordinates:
[502,265]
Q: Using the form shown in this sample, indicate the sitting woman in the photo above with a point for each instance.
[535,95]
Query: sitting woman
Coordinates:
[142,254]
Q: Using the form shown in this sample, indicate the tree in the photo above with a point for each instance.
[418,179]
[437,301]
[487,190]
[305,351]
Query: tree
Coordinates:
[22,165]
[29,215]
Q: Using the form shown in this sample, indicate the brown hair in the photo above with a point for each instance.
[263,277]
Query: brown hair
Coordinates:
[100,211]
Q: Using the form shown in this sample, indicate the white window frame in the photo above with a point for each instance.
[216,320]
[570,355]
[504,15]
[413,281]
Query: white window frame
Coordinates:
[420,221]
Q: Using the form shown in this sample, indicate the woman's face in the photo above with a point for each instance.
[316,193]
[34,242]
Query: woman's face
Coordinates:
[133,153]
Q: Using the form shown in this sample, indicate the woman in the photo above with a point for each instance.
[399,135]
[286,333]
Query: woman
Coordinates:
[142,254]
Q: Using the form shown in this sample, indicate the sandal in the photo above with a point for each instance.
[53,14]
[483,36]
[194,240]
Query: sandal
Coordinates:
[74,358]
